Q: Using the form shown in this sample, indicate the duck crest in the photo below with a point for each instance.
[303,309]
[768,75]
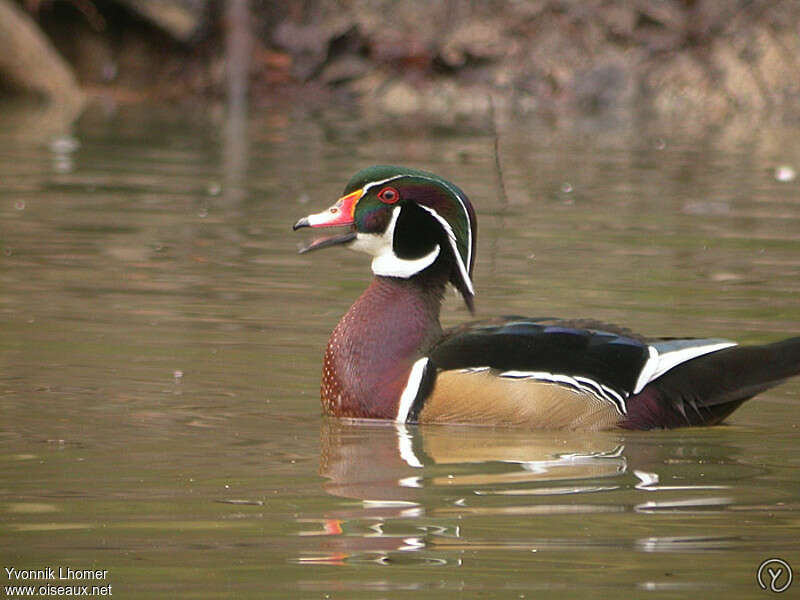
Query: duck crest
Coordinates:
[374,346]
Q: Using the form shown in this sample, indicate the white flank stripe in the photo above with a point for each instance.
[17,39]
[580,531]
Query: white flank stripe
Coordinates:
[411,389]
[474,370]
[596,387]
[617,398]
[584,384]
[658,364]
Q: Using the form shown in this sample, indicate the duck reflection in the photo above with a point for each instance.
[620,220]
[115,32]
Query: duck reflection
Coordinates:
[412,490]
[384,462]
[414,484]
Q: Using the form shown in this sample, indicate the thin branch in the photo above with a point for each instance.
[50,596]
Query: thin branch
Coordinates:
[501,184]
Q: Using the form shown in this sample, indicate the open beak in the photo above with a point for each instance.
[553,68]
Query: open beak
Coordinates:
[339,214]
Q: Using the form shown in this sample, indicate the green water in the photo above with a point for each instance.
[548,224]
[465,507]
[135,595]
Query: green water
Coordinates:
[161,342]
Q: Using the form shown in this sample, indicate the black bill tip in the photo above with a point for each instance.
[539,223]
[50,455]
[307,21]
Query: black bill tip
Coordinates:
[301,223]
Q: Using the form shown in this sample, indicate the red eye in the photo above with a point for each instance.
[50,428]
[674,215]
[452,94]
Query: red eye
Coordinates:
[388,195]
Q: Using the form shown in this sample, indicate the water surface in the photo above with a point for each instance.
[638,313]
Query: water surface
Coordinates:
[161,341]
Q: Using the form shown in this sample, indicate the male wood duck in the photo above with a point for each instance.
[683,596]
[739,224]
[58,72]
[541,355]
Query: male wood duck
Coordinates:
[388,357]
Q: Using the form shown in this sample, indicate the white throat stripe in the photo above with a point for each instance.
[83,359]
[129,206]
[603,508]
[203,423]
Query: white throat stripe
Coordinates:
[385,262]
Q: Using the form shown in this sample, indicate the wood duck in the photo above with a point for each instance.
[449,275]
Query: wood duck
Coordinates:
[388,357]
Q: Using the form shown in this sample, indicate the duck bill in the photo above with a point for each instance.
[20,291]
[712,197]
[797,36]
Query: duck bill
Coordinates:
[340,214]
[329,240]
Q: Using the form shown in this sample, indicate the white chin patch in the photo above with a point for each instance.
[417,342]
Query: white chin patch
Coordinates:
[385,262]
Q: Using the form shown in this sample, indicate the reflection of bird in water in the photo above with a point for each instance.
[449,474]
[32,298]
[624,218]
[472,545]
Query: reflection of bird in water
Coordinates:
[400,474]
[384,463]
[415,485]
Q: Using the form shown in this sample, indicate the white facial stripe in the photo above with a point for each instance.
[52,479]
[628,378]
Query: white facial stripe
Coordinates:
[372,184]
[385,261]
[411,389]
[369,243]
[389,265]
[464,269]
[454,245]
[466,216]
[380,246]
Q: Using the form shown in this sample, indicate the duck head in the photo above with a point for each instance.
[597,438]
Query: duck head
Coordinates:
[409,221]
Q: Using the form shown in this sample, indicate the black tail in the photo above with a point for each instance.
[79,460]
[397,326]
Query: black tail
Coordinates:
[705,390]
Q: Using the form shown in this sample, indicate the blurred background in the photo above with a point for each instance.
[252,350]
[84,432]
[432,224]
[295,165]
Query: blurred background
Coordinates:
[712,60]
[161,340]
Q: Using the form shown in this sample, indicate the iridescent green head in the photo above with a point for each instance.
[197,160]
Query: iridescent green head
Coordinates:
[407,220]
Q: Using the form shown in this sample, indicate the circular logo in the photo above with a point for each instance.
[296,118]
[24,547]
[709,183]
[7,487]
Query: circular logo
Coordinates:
[775,575]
